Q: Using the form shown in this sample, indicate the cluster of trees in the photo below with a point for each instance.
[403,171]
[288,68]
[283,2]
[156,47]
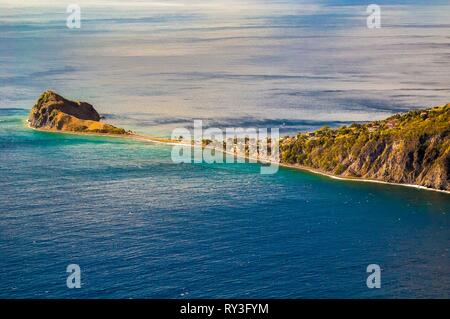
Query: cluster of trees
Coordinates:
[333,150]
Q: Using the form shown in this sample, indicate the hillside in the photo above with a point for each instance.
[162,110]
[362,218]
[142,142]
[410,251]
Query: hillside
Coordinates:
[53,112]
[409,148]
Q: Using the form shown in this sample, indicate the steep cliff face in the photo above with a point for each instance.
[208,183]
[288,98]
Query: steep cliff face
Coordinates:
[410,148]
[53,112]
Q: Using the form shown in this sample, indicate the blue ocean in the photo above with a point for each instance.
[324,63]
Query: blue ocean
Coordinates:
[141,226]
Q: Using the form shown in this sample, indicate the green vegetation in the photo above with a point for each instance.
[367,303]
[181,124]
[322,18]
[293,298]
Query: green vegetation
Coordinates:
[405,148]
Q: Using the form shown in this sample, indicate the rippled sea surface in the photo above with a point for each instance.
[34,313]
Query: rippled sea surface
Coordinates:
[141,226]
[294,64]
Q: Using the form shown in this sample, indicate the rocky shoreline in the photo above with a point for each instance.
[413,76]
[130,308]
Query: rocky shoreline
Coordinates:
[411,149]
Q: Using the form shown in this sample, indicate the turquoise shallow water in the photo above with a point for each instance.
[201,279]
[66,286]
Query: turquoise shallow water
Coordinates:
[141,226]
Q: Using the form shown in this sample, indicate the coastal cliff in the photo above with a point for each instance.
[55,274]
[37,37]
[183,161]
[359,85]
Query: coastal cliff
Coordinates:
[409,148]
[53,112]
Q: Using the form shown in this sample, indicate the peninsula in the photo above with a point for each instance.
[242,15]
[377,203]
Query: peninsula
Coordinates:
[411,149]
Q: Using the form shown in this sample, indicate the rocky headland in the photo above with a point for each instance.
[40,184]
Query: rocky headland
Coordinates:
[409,148]
[54,113]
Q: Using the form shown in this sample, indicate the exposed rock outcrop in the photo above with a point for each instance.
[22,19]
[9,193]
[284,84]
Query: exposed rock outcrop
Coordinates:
[409,148]
[53,112]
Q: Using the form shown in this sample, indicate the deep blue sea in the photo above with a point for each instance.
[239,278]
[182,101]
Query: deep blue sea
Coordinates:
[140,226]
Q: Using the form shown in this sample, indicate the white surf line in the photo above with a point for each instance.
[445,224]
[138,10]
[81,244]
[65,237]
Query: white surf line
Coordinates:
[350,179]
[143,138]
